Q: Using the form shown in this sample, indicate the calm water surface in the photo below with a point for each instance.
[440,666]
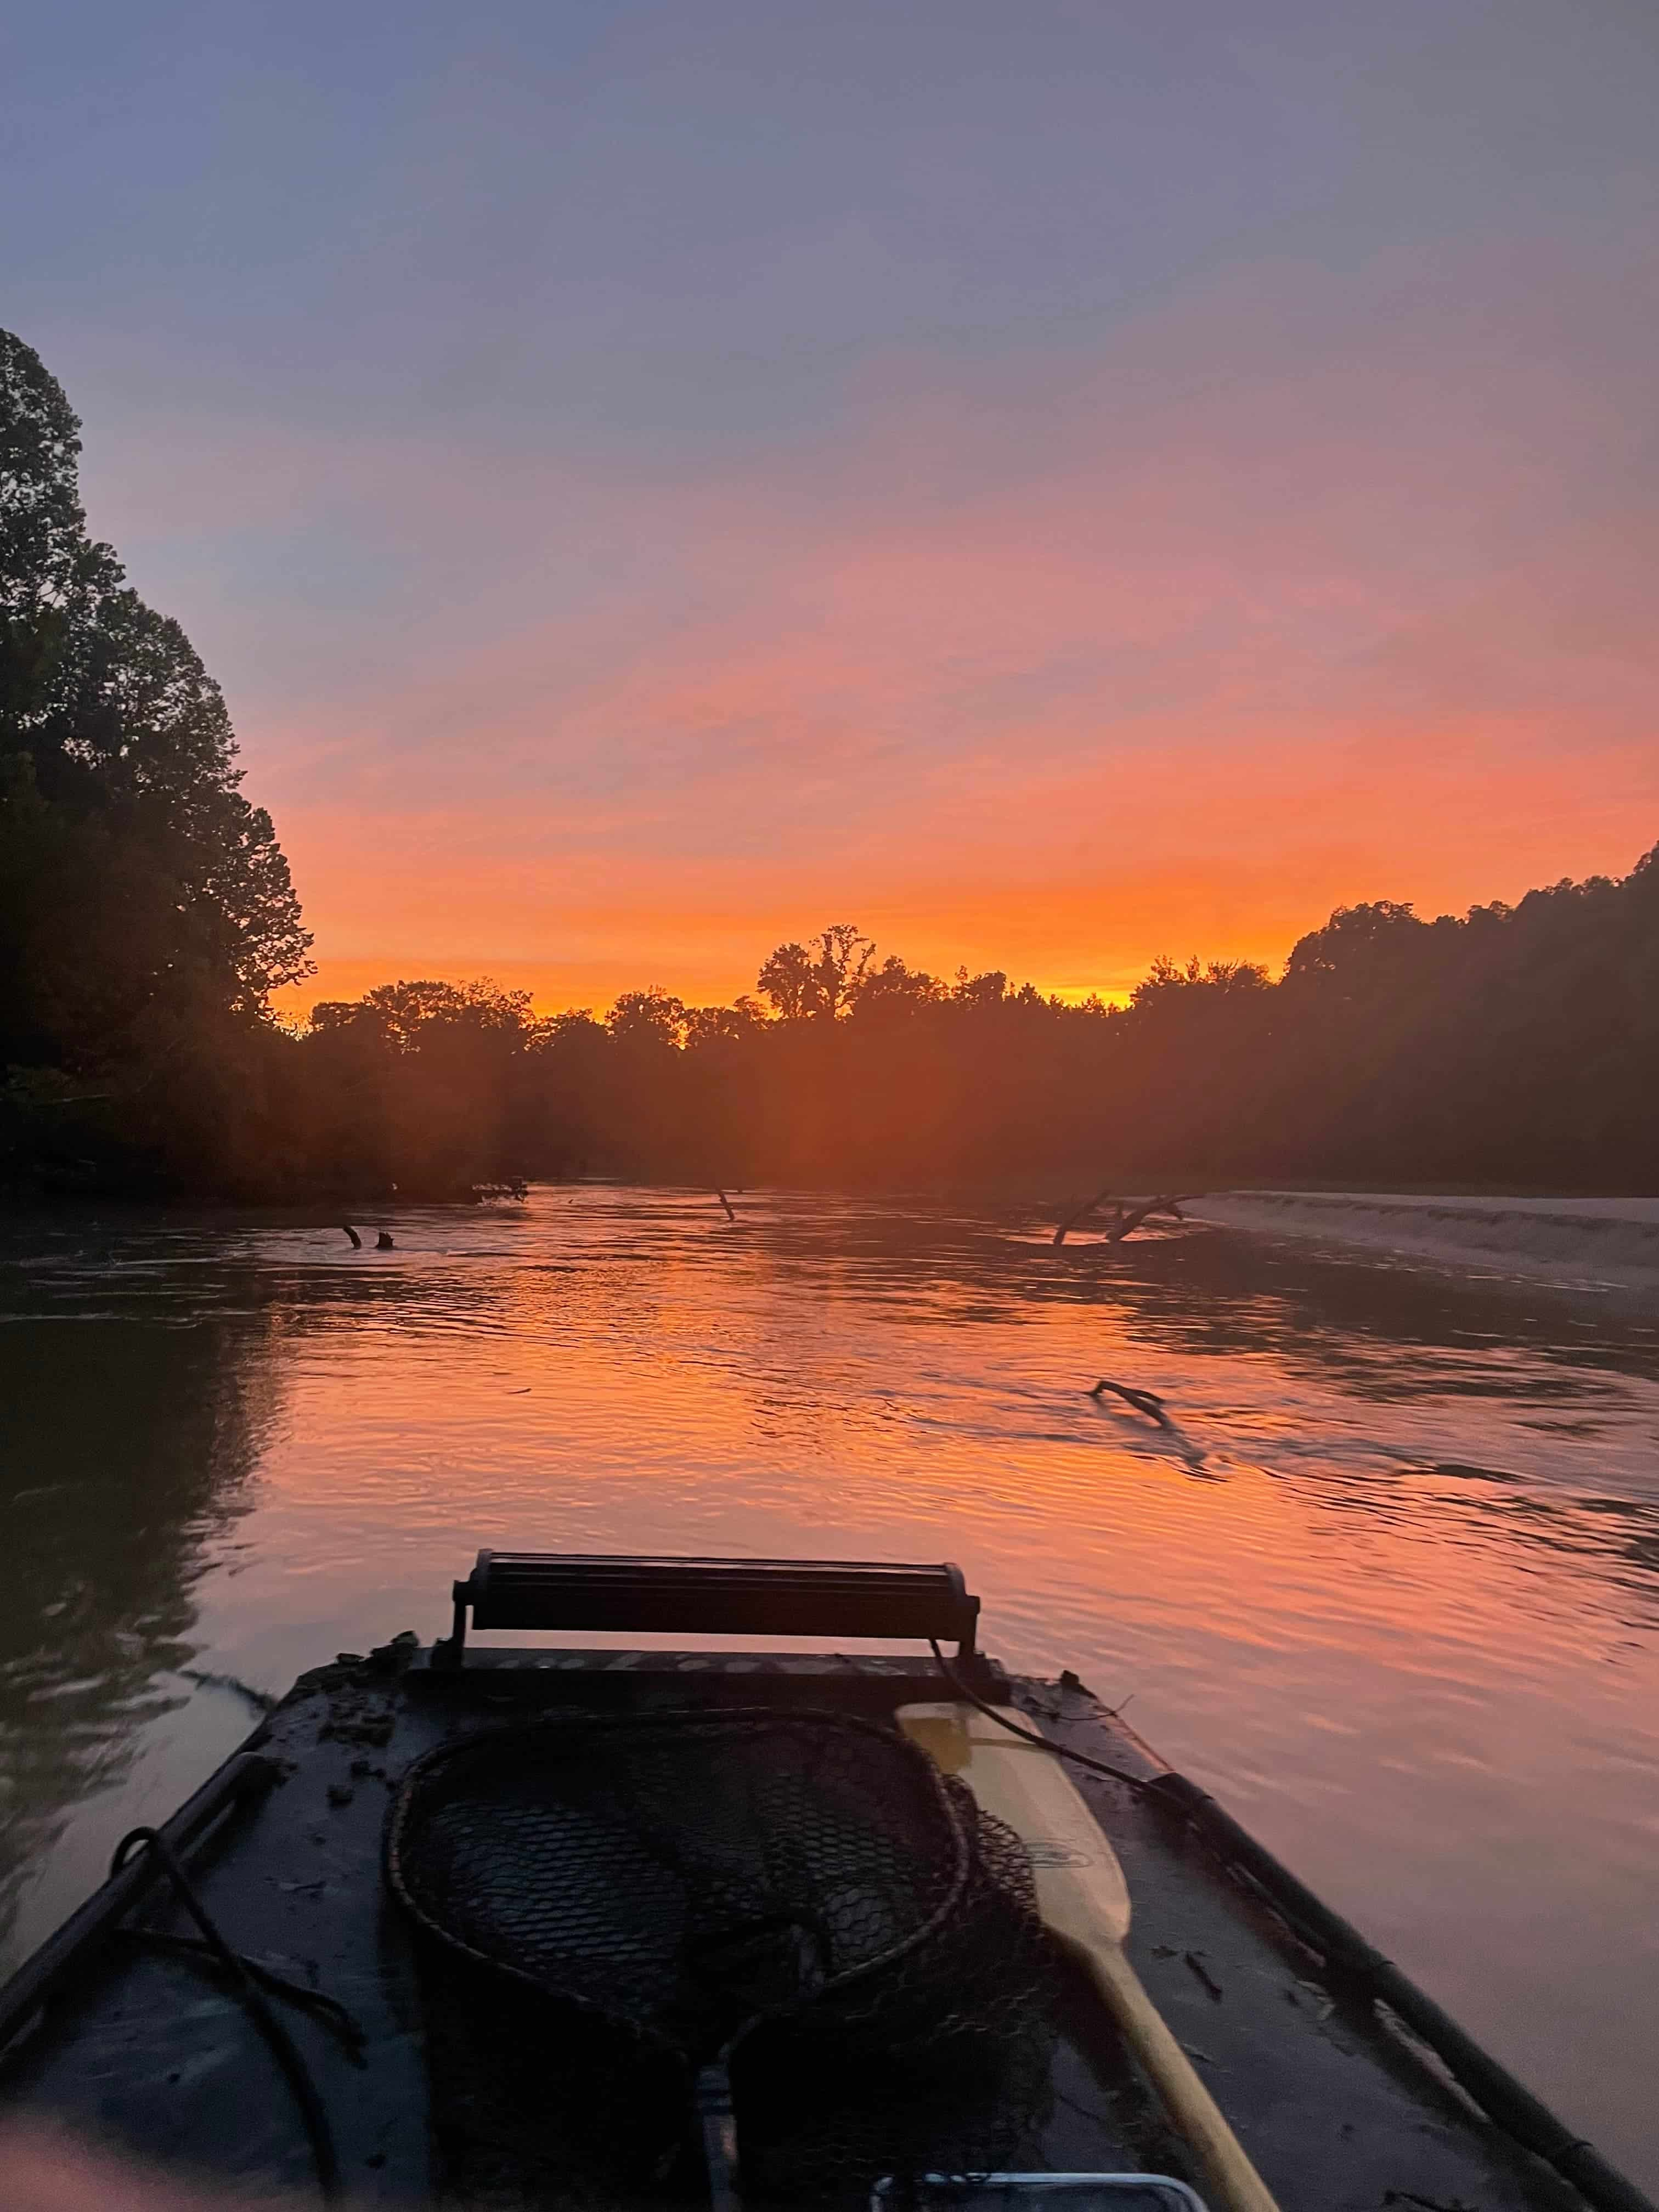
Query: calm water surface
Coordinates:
[1393,1592]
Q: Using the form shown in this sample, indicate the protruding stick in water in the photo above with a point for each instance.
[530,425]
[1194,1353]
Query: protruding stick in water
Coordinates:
[1129,1212]
[1144,1402]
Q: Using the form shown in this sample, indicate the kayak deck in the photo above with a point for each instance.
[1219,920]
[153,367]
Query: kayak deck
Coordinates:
[1339,2113]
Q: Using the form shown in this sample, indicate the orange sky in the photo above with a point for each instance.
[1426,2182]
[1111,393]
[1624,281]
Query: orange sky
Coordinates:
[1307,569]
[1046,667]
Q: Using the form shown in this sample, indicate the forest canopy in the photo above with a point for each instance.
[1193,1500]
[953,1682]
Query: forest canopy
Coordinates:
[147,914]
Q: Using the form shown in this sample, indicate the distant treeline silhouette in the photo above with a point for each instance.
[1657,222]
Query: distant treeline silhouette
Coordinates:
[1516,1045]
[146,914]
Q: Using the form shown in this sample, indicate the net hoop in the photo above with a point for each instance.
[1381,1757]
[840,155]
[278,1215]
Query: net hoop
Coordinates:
[953,1823]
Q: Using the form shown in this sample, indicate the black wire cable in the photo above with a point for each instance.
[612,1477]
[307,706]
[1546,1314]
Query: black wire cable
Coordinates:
[1135,1782]
[328,2011]
[281,2045]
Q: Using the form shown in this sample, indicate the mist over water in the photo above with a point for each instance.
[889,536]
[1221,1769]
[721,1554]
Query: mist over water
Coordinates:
[1391,1590]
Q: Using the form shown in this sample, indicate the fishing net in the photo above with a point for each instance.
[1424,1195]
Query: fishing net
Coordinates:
[608,1905]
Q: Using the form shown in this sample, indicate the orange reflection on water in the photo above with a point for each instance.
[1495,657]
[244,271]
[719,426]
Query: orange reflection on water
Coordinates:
[1374,1591]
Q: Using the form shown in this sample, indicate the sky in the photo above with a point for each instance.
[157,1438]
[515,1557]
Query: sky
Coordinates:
[1052,484]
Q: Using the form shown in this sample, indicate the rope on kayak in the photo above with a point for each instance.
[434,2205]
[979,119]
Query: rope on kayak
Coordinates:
[245,1979]
[327,2011]
[1134,1781]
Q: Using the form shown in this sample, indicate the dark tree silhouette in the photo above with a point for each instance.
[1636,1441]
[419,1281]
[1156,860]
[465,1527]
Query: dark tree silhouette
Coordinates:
[145,906]
[822,978]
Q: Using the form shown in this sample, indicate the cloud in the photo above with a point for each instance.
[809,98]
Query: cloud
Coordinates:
[1308,585]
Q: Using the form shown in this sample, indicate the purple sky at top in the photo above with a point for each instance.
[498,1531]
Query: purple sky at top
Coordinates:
[647,468]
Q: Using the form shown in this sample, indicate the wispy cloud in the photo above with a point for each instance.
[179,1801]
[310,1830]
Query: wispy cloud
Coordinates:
[1306,585]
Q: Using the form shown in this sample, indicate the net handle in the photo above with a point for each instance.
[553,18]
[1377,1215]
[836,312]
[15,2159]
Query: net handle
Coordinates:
[718,2122]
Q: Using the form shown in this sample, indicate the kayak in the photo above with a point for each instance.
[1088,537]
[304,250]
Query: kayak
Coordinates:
[535,1925]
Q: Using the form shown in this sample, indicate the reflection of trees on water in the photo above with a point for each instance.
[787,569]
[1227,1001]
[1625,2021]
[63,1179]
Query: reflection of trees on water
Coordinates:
[127,1443]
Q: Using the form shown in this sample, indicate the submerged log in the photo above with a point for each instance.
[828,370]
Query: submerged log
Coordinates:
[357,1241]
[1130,1212]
[1078,1213]
[1128,1221]
[1144,1402]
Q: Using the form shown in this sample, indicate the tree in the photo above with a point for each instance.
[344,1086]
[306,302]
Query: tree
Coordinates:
[989,989]
[713,1027]
[822,979]
[1358,944]
[427,1087]
[147,898]
[409,1015]
[50,571]
[895,990]
[838,973]
[785,978]
[652,1017]
[1167,983]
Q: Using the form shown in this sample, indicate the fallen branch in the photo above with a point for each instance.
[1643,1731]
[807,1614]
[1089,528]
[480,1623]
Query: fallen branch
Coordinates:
[1144,1402]
[1131,1213]
[357,1241]
[731,1211]
[261,1700]
[1088,1206]
[1129,1223]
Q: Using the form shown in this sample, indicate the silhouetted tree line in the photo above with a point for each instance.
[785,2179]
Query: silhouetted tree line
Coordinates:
[146,914]
[1514,1045]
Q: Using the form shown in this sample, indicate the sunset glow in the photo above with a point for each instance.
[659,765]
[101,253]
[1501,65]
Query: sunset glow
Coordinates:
[787,789]
[1049,496]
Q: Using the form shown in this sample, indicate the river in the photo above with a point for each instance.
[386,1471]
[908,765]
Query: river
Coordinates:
[1390,1590]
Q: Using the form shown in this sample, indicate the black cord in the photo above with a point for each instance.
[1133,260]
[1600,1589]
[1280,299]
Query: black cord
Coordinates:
[280,2044]
[328,2011]
[1135,1782]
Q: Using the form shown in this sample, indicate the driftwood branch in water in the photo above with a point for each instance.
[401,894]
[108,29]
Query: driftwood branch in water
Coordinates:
[1130,1212]
[1144,1402]
[1130,1220]
[383,1242]
[357,1241]
[261,1700]
[1073,1218]
[731,1211]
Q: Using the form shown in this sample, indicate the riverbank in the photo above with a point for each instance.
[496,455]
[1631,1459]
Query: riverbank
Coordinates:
[1581,1244]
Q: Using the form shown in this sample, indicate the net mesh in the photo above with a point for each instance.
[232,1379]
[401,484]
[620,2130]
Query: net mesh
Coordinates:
[609,1903]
